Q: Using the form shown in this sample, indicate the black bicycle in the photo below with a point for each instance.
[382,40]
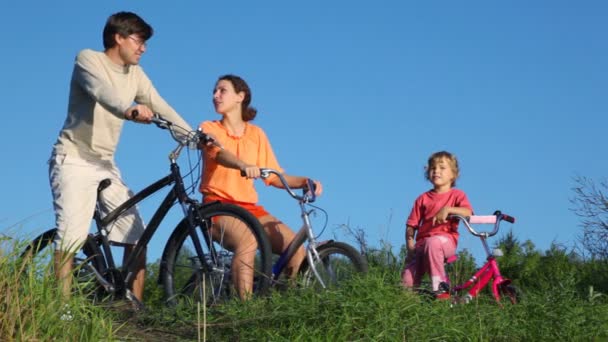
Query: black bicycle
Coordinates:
[196,265]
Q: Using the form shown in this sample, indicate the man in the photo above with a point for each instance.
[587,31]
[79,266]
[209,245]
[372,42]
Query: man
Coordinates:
[106,89]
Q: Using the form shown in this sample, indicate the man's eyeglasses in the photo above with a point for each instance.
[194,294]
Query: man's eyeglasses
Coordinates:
[138,41]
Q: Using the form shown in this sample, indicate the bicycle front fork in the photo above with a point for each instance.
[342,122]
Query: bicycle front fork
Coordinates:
[312,256]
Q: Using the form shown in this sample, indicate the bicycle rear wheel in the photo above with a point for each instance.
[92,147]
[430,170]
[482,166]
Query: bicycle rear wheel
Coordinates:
[338,263]
[208,278]
[38,265]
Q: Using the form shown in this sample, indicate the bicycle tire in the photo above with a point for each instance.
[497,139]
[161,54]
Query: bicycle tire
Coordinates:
[339,262]
[184,274]
[511,292]
[37,261]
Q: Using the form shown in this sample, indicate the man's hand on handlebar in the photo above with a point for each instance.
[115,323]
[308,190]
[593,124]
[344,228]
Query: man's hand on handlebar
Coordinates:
[139,113]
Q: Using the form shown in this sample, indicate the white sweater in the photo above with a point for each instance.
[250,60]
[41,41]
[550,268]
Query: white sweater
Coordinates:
[100,93]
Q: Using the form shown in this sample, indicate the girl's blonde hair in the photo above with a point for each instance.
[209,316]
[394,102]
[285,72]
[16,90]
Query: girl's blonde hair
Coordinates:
[438,156]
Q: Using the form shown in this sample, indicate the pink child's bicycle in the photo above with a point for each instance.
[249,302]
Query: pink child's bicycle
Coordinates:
[500,286]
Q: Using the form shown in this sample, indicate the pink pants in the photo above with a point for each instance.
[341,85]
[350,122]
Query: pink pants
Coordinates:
[429,258]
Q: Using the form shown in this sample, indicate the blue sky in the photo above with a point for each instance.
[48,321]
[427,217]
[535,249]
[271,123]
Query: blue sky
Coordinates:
[355,94]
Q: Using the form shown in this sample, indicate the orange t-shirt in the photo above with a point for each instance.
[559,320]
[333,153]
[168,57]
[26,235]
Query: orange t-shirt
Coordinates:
[252,147]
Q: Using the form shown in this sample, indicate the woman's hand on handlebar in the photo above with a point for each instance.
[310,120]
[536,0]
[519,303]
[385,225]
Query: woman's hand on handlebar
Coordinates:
[139,113]
[250,171]
[318,187]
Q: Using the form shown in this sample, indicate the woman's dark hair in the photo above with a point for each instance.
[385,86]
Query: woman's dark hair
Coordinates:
[248,112]
[125,24]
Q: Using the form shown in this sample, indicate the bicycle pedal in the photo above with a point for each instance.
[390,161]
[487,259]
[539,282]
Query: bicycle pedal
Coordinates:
[444,287]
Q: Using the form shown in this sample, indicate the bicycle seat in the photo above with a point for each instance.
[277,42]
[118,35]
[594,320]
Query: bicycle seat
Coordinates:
[104,184]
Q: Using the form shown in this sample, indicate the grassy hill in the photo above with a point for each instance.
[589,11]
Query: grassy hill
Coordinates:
[563,300]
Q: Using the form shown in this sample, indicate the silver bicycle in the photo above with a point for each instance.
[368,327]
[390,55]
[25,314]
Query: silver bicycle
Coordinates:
[328,263]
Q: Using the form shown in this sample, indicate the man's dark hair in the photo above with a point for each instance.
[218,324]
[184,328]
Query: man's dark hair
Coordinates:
[125,24]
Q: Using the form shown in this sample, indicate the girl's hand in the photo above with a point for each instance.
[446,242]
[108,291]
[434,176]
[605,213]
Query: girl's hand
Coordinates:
[441,216]
[411,251]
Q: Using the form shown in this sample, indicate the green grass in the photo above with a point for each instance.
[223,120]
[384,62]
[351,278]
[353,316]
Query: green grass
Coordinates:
[31,309]
[376,308]
[372,308]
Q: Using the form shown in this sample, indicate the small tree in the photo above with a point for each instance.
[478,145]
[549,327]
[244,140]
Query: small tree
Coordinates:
[521,260]
[590,202]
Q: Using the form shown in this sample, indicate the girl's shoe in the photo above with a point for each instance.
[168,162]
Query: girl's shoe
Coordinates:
[444,295]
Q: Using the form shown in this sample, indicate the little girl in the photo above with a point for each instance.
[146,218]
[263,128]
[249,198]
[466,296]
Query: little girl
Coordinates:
[437,236]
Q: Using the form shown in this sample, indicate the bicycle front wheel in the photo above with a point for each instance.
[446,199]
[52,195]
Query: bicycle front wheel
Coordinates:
[226,255]
[338,263]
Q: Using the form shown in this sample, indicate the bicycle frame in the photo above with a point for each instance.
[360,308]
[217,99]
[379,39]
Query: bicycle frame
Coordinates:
[489,271]
[178,192]
[151,228]
[304,234]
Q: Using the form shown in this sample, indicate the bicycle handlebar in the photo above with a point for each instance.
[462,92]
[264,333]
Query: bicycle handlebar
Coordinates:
[308,195]
[508,218]
[192,138]
[487,219]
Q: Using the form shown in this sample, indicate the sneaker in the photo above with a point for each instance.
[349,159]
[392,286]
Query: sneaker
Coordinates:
[136,304]
[66,314]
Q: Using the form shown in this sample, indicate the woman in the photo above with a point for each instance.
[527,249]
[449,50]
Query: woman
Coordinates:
[222,179]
